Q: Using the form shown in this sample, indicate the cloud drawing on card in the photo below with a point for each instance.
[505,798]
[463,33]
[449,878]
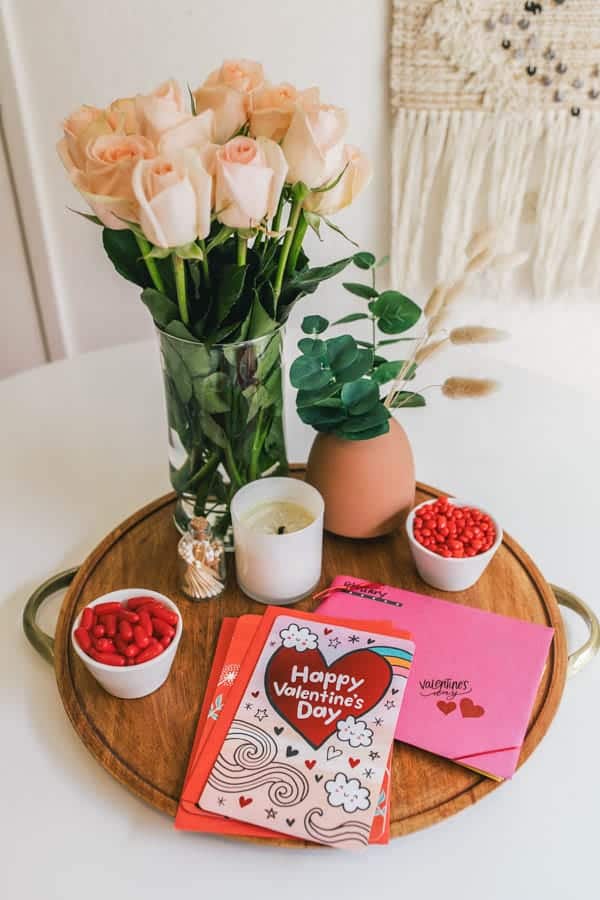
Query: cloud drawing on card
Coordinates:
[347,793]
[298,638]
[355,732]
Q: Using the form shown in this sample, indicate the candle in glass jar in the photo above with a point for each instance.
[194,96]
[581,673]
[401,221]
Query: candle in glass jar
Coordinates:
[278,536]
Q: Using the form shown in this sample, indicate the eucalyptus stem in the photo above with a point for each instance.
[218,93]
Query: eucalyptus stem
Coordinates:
[287,244]
[179,272]
[146,248]
[242,246]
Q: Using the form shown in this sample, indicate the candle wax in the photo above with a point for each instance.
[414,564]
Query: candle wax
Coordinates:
[278,517]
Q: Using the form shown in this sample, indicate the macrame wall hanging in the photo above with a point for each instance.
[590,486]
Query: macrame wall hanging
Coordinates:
[497,123]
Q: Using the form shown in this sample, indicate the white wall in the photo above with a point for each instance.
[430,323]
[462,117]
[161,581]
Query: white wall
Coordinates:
[66,52]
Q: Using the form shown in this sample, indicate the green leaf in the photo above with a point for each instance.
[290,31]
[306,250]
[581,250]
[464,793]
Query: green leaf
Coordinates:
[162,310]
[361,365]
[322,418]
[261,322]
[231,285]
[382,262]
[372,419]
[213,393]
[306,281]
[261,399]
[314,221]
[387,371]
[341,351]
[305,398]
[390,341]
[312,347]
[352,317]
[339,231]
[360,396]
[212,430]
[307,373]
[189,251]
[395,312]
[366,435]
[363,260]
[158,253]
[124,253]
[177,329]
[408,400]
[314,324]
[94,219]
[360,290]
[177,371]
[223,235]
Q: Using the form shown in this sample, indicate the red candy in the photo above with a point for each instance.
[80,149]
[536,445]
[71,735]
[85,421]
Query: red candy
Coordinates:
[128,634]
[452,531]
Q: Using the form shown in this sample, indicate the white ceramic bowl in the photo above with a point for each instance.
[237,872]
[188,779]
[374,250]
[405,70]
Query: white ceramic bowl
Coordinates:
[131,682]
[450,574]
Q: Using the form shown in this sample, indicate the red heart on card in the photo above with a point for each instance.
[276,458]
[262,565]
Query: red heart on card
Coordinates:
[255,693]
[353,762]
[445,707]
[470,710]
[314,719]
[327,630]
[244,801]
[310,763]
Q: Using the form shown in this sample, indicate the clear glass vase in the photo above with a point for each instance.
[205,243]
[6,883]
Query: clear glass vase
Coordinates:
[225,418]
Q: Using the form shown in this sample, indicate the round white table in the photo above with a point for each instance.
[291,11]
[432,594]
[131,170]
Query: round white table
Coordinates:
[83,447]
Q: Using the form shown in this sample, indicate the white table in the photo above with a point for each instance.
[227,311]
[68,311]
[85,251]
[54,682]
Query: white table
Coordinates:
[83,446]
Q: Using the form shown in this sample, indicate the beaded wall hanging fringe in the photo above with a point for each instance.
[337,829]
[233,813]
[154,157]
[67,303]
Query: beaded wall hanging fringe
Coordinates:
[497,122]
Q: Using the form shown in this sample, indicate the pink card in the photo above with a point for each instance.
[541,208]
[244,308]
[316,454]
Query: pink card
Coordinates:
[308,746]
[475,674]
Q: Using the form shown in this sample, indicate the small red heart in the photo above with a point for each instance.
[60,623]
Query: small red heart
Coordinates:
[445,707]
[244,801]
[353,762]
[327,630]
[470,710]
[255,693]
[310,763]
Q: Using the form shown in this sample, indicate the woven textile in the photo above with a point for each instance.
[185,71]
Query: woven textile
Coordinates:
[497,122]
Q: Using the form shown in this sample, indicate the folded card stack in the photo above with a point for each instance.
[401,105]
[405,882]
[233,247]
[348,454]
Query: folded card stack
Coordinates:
[295,735]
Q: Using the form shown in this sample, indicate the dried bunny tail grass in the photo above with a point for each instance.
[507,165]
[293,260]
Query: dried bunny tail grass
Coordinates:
[464,388]
[481,240]
[455,290]
[505,262]
[481,261]
[436,301]
[477,334]
[429,350]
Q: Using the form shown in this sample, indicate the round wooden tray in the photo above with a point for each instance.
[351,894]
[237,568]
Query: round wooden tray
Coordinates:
[145,743]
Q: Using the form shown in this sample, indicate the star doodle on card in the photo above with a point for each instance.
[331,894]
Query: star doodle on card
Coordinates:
[373,755]
[298,638]
[390,704]
[334,642]
[347,793]
[271,813]
[355,732]
[261,714]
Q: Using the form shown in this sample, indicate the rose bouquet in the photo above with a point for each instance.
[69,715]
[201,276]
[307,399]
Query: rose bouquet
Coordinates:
[205,205]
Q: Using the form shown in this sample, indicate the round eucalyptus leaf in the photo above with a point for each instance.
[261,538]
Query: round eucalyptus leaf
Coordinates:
[395,312]
[341,352]
[307,373]
[312,347]
[359,367]
[372,419]
[360,396]
[314,324]
[363,260]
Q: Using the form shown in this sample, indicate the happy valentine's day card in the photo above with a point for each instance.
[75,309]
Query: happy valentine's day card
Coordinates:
[305,746]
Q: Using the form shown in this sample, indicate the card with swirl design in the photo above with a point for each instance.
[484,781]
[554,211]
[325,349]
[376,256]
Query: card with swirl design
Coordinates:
[305,743]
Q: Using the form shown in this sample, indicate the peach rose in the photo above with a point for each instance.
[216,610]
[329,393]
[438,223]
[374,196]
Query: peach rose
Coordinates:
[250,175]
[272,108]
[122,116]
[103,173]
[174,198]
[313,145]
[82,124]
[226,91]
[198,132]
[356,177]
[162,109]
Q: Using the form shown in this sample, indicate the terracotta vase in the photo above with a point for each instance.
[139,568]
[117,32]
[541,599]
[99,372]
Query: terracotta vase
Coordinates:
[368,486]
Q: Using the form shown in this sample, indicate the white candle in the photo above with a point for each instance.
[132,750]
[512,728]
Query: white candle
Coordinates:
[278,535]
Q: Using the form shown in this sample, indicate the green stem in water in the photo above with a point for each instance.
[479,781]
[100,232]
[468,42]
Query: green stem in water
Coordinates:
[242,246]
[276,224]
[257,444]
[207,469]
[179,272]
[145,248]
[232,468]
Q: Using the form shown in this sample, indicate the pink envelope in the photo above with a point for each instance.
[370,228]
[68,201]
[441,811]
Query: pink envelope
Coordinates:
[474,677]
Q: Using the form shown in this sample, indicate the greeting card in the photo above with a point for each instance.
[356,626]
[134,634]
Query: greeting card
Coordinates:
[474,678]
[302,744]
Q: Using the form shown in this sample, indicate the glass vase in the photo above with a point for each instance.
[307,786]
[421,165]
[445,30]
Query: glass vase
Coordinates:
[225,420]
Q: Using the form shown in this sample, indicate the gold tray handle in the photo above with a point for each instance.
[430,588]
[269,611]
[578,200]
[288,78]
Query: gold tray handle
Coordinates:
[39,640]
[581,657]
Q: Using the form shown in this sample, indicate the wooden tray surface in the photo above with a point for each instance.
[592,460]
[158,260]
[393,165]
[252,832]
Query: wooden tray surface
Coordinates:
[145,743]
